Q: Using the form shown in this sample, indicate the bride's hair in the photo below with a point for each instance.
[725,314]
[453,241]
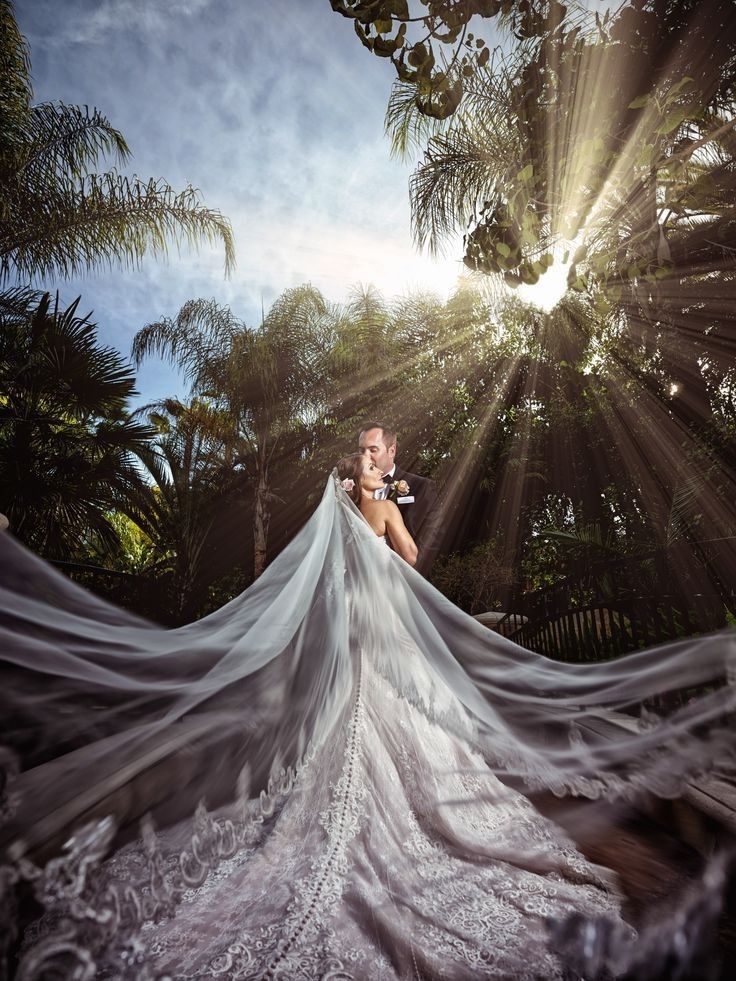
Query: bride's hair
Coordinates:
[351,468]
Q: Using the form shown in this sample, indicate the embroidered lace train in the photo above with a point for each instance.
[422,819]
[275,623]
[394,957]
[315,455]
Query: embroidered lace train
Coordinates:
[368,732]
[370,862]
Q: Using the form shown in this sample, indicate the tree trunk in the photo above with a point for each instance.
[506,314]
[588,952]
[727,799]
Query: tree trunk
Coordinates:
[261,518]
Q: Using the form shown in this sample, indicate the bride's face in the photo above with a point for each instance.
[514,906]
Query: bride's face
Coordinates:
[372,476]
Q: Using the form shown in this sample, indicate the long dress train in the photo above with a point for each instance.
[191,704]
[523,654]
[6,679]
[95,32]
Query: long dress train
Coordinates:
[382,728]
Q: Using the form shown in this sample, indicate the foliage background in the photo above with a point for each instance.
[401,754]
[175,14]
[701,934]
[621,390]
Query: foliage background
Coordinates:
[563,440]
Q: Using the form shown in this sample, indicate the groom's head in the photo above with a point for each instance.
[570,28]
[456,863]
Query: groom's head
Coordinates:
[379,443]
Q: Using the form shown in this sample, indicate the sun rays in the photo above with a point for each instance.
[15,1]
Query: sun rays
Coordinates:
[550,288]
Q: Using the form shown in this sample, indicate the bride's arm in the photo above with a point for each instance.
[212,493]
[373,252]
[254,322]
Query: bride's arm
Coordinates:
[401,540]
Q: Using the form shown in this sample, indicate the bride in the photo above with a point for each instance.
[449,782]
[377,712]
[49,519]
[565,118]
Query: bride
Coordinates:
[360,478]
[355,747]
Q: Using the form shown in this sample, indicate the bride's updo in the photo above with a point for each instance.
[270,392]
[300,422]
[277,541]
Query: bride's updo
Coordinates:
[351,468]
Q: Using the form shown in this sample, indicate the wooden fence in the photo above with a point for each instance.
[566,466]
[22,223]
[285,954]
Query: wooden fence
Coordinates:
[611,608]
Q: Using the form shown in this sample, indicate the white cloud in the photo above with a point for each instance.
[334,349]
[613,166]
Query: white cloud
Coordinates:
[99,22]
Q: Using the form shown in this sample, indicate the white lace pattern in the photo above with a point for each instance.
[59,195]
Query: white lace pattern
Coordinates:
[392,852]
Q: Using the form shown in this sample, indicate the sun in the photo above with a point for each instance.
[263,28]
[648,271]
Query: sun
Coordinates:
[549,289]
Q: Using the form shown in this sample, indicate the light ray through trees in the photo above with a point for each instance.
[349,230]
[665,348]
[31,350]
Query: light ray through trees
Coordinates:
[591,160]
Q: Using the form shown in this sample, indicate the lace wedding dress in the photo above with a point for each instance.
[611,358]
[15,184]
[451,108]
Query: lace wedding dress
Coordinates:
[382,728]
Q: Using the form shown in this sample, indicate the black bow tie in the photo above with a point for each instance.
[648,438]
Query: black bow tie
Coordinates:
[387,478]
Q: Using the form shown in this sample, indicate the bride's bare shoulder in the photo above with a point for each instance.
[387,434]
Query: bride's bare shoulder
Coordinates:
[374,506]
[383,508]
[378,515]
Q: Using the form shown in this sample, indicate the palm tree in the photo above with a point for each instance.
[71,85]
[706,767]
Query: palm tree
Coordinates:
[267,379]
[360,361]
[192,482]
[58,214]
[67,443]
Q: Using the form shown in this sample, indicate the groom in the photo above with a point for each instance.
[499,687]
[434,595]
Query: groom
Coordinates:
[414,495]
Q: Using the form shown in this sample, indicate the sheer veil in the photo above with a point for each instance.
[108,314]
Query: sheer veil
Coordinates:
[108,714]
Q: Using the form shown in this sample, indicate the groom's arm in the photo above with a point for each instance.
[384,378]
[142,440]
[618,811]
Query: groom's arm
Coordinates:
[424,492]
[425,496]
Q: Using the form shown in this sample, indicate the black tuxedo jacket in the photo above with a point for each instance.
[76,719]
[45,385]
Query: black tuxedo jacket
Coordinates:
[424,492]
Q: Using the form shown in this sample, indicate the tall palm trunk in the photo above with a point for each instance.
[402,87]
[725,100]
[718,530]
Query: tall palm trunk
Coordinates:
[261,518]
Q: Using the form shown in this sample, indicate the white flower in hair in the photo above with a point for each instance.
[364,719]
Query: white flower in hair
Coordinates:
[347,484]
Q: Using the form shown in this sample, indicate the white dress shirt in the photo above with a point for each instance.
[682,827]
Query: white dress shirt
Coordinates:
[382,493]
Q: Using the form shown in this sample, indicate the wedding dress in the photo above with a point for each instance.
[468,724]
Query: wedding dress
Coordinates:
[356,738]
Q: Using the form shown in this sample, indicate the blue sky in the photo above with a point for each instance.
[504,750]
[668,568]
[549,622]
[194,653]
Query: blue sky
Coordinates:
[275,112]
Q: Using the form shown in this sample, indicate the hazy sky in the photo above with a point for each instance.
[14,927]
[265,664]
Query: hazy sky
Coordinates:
[275,112]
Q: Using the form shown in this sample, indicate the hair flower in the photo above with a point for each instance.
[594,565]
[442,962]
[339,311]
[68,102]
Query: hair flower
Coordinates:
[347,484]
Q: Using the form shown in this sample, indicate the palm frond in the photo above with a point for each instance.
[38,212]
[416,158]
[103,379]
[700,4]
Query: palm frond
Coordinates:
[685,496]
[67,445]
[586,536]
[467,159]
[294,312]
[407,127]
[16,304]
[95,379]
[109,219]
[457,175]
[484,93]
[57,218]
[197,340]
[16,88]
[62,142]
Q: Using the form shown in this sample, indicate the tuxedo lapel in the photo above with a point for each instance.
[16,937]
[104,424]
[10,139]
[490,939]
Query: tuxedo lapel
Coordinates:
[424,492]
[407,510]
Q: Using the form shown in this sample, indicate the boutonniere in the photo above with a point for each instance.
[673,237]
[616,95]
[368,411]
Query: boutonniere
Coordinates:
[398,490]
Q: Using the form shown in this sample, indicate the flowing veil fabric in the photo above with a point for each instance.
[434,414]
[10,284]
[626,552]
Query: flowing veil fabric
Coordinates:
[349,740]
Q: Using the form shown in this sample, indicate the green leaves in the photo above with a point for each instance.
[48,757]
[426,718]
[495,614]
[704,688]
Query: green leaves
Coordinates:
[664,105]
[494,244]
[673,120]
[67,442]
[381,26]
[418,55]
[646,155]
[442,99]
[685,82]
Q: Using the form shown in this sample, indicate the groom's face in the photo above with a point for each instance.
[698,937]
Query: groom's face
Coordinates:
[371,443]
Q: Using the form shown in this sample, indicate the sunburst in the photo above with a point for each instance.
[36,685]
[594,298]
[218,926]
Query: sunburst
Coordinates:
[550,288]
